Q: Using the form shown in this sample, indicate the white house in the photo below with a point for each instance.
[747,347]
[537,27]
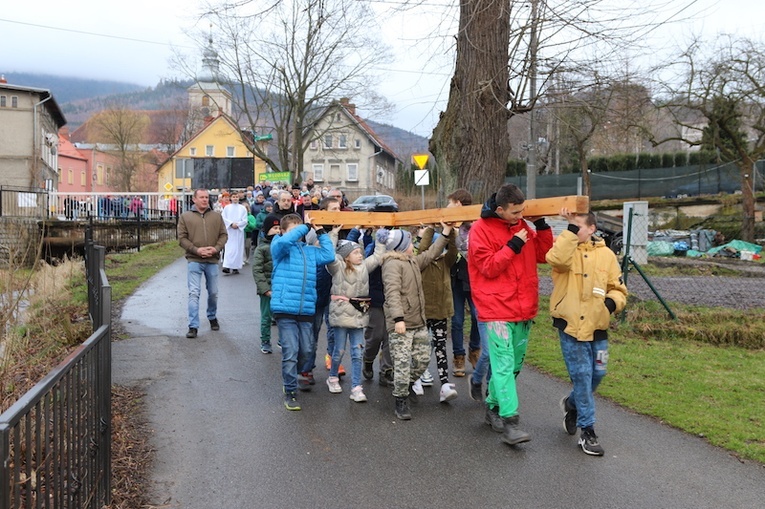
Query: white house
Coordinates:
[346,153]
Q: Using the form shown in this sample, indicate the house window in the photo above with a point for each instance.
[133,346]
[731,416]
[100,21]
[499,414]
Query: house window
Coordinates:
[82,179]
[334,172]
[342,141]
[314,145]
[380,174]
[108,173]
[229,151]
[318,172]
[183,168]
[100,174]
[14,101]
[353,171]
[193,151]
[357,143]
[3,101]
[206,100]
[327,141]
[338,117]
[70,177]
[209,150]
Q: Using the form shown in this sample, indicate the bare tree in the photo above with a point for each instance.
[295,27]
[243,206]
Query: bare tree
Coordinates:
[720,89]
[580,114]
[534,40]
[122,130]
[290,59]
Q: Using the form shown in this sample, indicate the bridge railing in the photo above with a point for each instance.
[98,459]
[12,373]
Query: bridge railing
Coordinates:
[55,441]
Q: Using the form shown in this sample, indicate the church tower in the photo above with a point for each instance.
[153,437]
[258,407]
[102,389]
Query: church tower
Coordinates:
[208,98]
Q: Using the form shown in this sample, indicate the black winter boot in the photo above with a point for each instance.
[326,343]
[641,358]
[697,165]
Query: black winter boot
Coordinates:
[368,370]
[494,420]
[514,435]
[402,409]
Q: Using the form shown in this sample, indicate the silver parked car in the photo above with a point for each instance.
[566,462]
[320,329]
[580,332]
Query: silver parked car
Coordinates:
[375,203]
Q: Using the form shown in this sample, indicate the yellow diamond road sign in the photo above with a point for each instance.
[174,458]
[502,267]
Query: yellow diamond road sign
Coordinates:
[168,186]
[420,160]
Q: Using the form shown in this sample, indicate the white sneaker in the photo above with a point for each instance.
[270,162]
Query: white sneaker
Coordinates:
[448,393]
[427,379]
[417,388]
[333,383]
[357,394]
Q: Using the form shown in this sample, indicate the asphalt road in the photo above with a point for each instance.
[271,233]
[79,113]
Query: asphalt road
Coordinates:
[224,439]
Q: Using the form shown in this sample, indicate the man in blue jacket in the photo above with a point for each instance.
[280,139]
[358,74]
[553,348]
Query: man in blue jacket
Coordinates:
[293,297]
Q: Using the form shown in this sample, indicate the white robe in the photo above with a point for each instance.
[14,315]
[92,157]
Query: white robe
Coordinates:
[233,257]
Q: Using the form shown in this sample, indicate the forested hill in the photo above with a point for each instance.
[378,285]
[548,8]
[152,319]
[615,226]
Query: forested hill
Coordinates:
[66,89]
[80,98]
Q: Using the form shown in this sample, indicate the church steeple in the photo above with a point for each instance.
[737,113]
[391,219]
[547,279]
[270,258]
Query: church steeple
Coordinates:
[208,97]
[210,64]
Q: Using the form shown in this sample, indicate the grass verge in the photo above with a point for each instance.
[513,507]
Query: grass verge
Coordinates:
[660,369]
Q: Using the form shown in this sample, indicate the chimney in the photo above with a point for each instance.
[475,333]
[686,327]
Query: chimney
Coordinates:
[345,102]
[2,79]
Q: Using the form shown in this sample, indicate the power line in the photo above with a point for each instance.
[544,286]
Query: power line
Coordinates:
[94,34]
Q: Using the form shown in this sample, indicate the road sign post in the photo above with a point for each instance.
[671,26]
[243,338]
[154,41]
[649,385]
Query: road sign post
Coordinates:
[421,176]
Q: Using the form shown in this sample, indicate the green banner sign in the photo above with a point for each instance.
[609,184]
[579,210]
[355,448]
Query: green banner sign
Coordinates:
[277,176]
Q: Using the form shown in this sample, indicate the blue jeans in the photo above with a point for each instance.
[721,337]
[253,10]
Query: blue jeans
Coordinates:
[587,362]
[356,339]
[296,339]
[194,278]
[322,316]
[483,366]
[461,296]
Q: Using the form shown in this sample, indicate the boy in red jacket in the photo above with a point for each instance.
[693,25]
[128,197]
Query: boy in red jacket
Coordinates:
[504,251]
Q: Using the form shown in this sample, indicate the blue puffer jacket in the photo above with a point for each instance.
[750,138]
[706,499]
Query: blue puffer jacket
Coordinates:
[293,282]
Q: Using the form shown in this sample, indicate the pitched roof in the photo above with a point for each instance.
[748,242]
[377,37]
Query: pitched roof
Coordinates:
[66,148]
[45,95]
[350,110]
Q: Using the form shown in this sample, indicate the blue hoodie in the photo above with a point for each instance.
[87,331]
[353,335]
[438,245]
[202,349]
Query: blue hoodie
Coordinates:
[293,283]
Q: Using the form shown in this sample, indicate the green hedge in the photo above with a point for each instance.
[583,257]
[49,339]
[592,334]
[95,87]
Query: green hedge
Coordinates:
[645,161]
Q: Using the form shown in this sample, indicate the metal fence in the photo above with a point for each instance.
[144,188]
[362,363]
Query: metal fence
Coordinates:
[146,206]
[55,443]
[23,202]
[643,183]
[127,234]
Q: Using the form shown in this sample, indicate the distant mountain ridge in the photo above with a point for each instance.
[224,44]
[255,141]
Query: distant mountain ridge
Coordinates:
[79,99]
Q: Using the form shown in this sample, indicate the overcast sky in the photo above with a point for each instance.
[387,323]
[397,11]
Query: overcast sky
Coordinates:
[132,41]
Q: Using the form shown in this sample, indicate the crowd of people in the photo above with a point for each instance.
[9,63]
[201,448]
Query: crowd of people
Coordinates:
[390,294]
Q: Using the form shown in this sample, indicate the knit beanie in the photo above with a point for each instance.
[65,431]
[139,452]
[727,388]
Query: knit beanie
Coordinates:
[398,240]
[270,222]
[346,247]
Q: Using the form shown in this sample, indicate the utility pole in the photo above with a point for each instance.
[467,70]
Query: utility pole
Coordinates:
[531,164]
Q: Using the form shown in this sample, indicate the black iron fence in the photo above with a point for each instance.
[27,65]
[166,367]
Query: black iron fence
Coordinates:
[132,233]
[55,443]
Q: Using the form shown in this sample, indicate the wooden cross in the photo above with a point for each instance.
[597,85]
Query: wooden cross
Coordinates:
[534,208]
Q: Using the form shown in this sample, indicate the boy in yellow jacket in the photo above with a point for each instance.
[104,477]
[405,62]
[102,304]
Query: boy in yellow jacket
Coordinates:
[587,288]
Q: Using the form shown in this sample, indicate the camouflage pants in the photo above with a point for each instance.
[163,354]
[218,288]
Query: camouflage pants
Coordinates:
[410,353]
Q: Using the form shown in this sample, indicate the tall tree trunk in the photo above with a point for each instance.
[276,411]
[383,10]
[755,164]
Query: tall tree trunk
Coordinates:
[471,143]
[747,195]
[586,185]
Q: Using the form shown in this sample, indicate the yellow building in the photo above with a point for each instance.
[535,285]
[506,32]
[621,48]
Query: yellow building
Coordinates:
[217,156]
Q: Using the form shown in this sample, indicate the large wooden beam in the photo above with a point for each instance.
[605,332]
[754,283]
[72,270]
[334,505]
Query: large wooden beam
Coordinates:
[534,208]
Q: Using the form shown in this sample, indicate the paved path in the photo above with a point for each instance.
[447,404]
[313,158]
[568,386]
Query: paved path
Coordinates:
[224,440]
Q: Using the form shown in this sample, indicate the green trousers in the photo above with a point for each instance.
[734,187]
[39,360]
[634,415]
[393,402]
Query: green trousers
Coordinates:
[507,348]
